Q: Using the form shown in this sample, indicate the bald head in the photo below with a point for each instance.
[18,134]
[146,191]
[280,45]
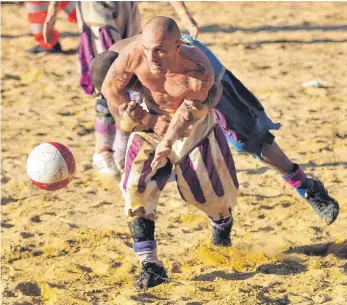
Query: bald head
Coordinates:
[163,28]
[161,43]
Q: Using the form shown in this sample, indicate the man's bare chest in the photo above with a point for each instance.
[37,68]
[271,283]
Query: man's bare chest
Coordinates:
[173,86]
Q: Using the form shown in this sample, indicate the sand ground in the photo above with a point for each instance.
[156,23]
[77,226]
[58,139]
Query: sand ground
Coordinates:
[72,247]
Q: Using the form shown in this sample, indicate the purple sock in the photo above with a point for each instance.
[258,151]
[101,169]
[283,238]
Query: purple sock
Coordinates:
[147,251]
[298,180]
[104,135]
[296,177]
[221,223]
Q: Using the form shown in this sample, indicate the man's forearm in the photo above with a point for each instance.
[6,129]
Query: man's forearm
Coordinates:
[182,11]
[186,18]
[180,122]
[115,99]
[176,129]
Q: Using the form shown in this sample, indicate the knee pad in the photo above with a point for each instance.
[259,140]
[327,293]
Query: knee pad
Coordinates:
[142,229]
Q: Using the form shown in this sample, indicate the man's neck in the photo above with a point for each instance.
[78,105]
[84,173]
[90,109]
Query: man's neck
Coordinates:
[176,64]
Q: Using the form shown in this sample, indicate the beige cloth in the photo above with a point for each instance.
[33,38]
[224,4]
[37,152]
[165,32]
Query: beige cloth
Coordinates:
[196,133]
[204,167]
[122,16]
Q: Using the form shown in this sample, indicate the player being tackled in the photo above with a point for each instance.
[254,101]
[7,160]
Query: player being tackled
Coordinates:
[176,80]
[245,124]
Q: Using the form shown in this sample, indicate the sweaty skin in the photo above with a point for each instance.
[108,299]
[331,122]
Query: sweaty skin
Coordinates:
[159,123]
[190,80]
[171,74]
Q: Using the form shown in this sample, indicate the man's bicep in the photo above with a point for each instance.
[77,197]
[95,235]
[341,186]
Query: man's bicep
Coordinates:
[114,87]
[201,88]
[117,75]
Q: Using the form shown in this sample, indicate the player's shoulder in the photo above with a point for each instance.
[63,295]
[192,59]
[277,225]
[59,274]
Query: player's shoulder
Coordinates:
[200,70]
[195,54]
[119,45]
[131,55]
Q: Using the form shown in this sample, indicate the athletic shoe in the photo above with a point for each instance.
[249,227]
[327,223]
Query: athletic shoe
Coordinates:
[104,163]
[221,236]
[151,275]
[39,49]
[326,207]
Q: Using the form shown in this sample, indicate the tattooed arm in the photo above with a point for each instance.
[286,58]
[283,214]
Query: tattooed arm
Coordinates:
[114,87]
[128,114]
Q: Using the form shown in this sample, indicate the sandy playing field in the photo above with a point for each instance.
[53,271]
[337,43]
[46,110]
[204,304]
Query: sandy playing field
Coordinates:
[73,247]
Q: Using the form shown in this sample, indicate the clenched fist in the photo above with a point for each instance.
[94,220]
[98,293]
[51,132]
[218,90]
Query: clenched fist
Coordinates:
[161,125]
[162,152]
[135,111]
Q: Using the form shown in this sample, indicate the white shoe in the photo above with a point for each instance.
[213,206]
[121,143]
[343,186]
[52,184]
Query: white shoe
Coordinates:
[104,163]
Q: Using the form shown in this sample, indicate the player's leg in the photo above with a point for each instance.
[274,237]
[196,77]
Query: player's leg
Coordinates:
[128,22]
[69,9]
[141,188]
[121,20]
[247,126]
[105,128]
[326,207]
[312,190]
[119,149]
[105,131]
[273,156]
[37,13]
[207,179]
[142,227]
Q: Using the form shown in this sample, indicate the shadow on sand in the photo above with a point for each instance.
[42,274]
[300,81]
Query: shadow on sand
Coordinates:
[62,35]
[213,28]
[285,267]
[337,249]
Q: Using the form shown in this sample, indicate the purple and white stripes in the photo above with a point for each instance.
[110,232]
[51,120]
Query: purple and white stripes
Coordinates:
[132,153]
[228,158]
[161,176]
[86,54]
[191,177]
[206,176]
[205,150]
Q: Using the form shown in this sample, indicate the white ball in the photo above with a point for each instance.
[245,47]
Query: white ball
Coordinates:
[51,166]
